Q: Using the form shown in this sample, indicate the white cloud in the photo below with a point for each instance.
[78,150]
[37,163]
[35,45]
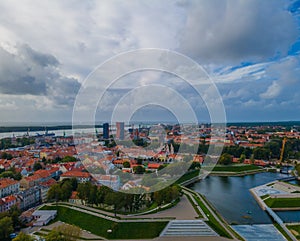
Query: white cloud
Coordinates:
[272,92]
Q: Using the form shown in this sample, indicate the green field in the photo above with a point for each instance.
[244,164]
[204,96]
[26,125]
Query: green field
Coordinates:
[295,229]
[283,202]
[235,168]
[280,229]
[187,176]
[212,222]
[99,226]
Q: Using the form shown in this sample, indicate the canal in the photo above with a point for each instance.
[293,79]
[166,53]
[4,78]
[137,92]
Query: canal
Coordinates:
[231,197]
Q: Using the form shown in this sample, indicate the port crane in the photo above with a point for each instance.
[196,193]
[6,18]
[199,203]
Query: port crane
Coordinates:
[282,149]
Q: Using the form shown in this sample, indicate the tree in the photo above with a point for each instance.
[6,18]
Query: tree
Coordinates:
[242,158]
[14,212]
[66,190]
[298,169]
[126,164]
[5,155]
[23,237]
[64,232]
[6,228]
[139,170]
[225,159]
[71,232]
[54,193]
[55,236]
[37,166]
[261,153]
[69,159]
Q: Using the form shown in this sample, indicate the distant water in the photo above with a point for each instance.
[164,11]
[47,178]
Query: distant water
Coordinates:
[67,132]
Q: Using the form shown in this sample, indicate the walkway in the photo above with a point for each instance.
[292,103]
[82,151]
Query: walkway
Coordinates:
[184,228]
[182,211]
[264,232]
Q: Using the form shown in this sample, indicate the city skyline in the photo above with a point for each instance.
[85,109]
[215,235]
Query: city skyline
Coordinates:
[49,50]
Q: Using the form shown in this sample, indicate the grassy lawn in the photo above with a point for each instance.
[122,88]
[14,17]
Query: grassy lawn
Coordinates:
[212,222]
[187,176]
[235,168]
[264,196]
[280,229]
[295,229]
[283,202]
[99,226]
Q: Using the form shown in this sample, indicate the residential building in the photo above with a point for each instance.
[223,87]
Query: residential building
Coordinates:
[39,177]
[8,186]
[80,176]
[7,202]
[112,181]
[29,198]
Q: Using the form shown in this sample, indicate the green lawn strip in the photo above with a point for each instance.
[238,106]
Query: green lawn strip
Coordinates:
[99,226]
[281,230]
[77,238]
[283,202]
[173,204]
[264,196]
[235,168]
[187,176]
[194,206]
[212,222]
[222,219]
[96,209]
[295,228]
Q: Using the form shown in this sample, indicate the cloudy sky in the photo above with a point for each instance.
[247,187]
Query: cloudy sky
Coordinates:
[250,48]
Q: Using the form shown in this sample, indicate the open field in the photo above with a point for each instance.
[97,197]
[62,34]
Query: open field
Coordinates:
[283,202]
[295,229]
[235,168]
[99,226]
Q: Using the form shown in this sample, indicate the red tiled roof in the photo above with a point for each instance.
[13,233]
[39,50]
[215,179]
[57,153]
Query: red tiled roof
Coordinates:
[5,182]
[74,195]
[48,183]
[8,199]
[76,174]
[154,165]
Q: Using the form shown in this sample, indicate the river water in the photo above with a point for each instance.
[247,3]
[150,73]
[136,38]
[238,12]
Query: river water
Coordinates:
[231,197]
[67,132]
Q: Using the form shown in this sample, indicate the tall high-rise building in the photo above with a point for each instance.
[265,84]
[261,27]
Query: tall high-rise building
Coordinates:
[105,130]
[120,130]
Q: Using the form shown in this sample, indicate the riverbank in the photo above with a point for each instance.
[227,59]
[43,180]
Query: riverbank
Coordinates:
[234,170]
[262,195]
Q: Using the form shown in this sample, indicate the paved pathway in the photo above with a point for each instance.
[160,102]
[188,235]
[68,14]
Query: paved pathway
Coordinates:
[182,211]
[263,232]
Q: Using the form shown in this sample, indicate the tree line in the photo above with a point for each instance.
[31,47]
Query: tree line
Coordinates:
[104,197]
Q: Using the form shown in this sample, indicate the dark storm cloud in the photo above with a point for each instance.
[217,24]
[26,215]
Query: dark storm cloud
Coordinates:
[37,57]
[232,31]
[31,72]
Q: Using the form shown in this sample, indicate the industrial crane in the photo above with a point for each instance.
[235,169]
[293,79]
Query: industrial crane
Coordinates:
[282,149]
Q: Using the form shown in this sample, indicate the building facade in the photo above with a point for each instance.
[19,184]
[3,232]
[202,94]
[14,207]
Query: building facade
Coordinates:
[105,130]
[120,130]
[8,186]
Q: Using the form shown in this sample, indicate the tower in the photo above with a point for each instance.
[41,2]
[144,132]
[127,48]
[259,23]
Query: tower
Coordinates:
[105,131]
[120,130]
